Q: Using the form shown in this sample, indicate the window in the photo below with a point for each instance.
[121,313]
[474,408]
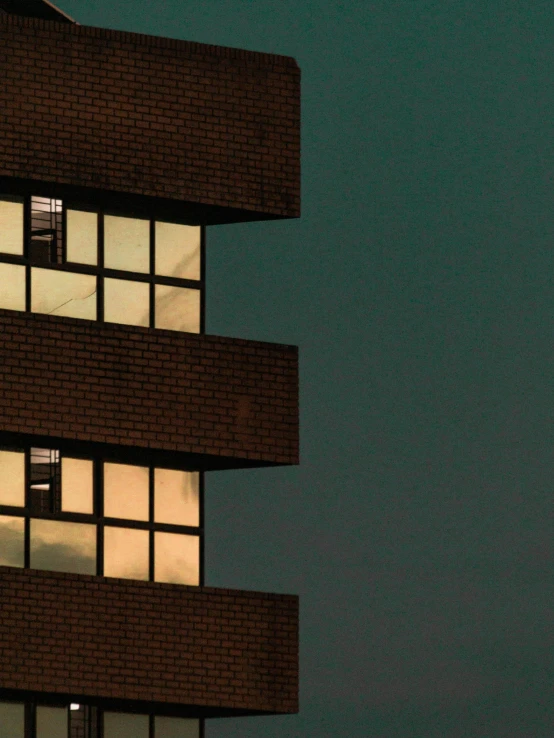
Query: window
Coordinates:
[76,720]
[60,259]
[59,512]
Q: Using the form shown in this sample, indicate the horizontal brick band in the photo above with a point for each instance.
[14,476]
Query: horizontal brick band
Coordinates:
[113,639]
[231,400]
[128,113]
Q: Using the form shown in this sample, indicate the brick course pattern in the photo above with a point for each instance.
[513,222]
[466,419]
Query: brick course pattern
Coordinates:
[114,639]
[149,116]
[142,388]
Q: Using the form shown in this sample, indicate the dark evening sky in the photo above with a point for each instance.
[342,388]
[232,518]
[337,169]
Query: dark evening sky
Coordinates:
[418,530]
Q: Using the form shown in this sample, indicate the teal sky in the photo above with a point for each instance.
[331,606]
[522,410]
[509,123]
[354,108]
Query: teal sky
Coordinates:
[418,530]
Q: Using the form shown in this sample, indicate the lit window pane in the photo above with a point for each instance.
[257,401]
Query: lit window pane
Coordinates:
[177,308]
[170,727]
[12,287]
[126,244]
[61,546]
[12,478]
[12,719]
[126,553]
[178,250]
[126,302]
[77,485]
[51,722]
[12,539]
[126,491]
[124,725]
[82,237]
[177,558]
[63,293]
[11,227]
[176,497]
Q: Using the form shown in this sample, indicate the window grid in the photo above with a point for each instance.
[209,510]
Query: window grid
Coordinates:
[47,507]
[87,721]
[34,258]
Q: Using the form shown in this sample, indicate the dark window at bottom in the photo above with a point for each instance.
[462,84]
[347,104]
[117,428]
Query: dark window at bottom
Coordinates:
[28,720]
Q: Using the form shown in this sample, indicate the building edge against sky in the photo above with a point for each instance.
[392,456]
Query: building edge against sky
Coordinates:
[117,151]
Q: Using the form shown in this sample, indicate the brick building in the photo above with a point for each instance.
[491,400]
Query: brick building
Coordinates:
[117,152]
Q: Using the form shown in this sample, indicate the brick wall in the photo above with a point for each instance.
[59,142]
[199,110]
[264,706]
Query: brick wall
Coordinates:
[231,399]
[113,639]
[149,116]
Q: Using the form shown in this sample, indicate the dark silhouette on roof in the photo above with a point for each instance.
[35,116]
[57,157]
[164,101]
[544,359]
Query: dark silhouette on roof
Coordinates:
[35,9]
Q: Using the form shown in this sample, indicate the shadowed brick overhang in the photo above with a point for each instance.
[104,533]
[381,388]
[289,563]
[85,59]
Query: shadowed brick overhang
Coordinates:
[187,650]
[182,123]
[218,402]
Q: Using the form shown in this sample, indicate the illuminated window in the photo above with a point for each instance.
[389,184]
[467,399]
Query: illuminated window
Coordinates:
[63,293]
[59,512]
[87,264]
[77,720]
[82,237]
[11,225]
[178,250]
[12,719]
[127,244]
[12,286]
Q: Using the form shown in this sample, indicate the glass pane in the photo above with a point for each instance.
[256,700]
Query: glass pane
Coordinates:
[45,246]
[12,719]
[12,287]
[44,481]
[124,725]
[82,237]
[77,485]
[126,491]
[63,293]
[178,250]
[126,553]
[177,308]
[11,227]
[176,497]
[12,541]
[170,727]
[61,546]
[12,478]
[83,721]
[177,558]
[126,244]
[126,302]
[51,722]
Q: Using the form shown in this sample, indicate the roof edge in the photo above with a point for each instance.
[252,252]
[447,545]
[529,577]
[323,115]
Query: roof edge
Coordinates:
[187,48]
[42,9]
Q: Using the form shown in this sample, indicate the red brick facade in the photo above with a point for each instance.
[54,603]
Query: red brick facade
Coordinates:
[146,116]
[232,400]
[215,649]
[205,135]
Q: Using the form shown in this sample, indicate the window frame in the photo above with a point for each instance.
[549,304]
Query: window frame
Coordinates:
[100,271]
[30,707]
[97,516]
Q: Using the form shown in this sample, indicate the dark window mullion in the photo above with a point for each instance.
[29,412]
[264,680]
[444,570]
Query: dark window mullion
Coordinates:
[30,719]
[64,233]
